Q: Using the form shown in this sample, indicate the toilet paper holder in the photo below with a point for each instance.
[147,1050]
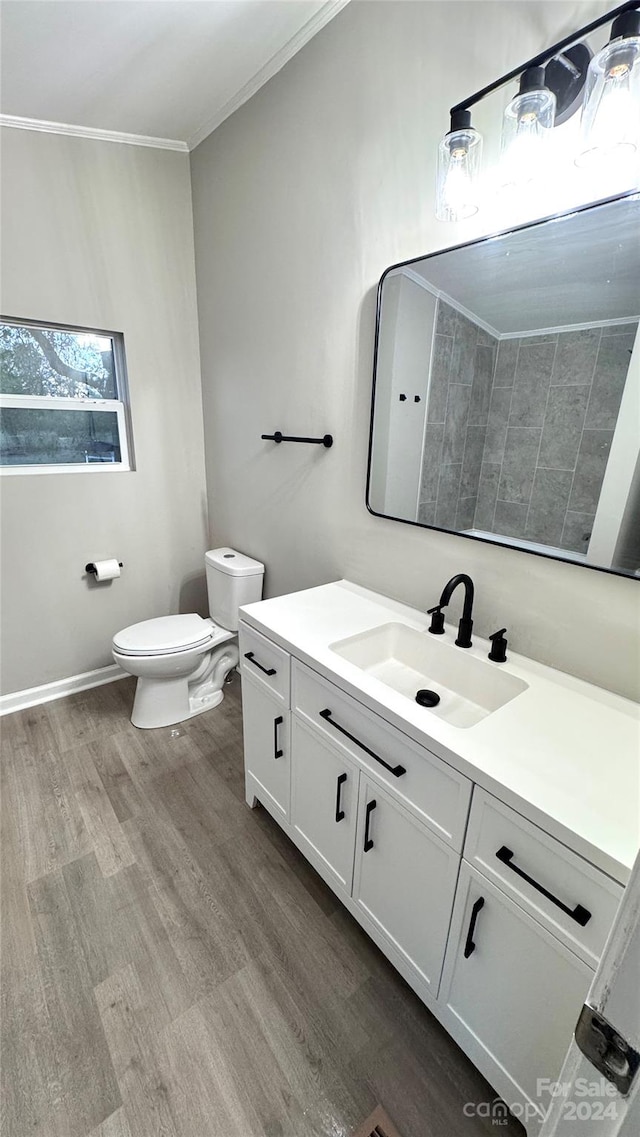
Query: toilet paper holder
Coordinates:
[91,568]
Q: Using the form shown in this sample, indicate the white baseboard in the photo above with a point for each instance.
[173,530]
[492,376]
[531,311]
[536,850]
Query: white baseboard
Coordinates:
[33,696]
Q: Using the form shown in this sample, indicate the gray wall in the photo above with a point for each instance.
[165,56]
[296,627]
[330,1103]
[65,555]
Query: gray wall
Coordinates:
[301,200]
[554,407]
[100,234]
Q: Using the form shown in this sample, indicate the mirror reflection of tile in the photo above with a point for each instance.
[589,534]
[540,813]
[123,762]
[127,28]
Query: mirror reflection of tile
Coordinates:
[519,430]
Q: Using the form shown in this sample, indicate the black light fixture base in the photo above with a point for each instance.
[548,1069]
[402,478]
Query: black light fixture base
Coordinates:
[566,75]
[533,79]
[624,20]
[460,120]
[626,24]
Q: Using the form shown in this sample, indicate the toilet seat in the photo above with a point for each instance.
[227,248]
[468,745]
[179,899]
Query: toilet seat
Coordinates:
[167,634]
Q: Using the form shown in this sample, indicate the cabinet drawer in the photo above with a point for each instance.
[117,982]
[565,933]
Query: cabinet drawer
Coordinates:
[576,901]
[265,662]
[436,792]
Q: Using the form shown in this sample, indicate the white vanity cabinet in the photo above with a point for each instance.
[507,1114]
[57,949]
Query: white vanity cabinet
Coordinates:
[495,923]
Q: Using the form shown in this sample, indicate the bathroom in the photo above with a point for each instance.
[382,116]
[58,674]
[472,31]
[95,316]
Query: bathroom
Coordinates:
[241,269]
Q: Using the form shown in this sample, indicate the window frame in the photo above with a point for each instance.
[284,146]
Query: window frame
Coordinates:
[120,406]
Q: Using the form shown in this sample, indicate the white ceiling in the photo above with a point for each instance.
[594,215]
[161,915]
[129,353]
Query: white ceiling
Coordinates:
[584,268]
[165,69]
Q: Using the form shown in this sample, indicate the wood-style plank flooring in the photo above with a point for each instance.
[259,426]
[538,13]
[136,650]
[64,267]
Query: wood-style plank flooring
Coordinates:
[172,966]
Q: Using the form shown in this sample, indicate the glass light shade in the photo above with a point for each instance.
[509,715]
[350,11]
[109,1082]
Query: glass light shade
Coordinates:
[459,157]
[526,132]
[610,124]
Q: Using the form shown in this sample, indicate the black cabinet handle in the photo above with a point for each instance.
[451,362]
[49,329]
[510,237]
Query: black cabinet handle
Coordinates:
[579,914]
[340,812]
[267,670]
[276,723]
[469,946]
[397,771]
[368,843]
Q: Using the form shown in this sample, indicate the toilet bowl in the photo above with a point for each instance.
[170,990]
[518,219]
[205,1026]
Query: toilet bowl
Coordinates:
[182,661]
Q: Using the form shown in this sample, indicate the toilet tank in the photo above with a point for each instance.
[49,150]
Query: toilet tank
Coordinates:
[232,580]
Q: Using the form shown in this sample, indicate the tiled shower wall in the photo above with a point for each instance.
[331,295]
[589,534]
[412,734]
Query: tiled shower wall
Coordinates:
[553,410]
[462,367]
[518,431]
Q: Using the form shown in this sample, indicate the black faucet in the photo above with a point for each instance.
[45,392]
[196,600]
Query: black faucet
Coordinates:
[466,623]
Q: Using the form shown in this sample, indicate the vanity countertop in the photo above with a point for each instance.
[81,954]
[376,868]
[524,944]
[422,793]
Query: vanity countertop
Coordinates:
[563,753]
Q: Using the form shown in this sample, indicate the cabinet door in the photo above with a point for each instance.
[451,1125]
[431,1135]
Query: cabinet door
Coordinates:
[324,796]
[266,749]
[404,882]
[512,993]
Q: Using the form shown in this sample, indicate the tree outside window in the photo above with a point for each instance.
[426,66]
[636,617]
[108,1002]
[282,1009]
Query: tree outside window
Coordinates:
[61,398]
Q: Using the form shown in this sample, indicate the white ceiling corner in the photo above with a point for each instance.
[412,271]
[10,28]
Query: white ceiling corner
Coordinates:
[159,73]
[326,12]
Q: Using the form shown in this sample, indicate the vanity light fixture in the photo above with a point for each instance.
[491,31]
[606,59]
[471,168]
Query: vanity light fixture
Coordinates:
[526,130]
[459,156]
[552,87]
[610,121]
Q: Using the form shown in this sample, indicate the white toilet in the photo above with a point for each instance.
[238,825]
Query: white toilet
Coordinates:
[182,661]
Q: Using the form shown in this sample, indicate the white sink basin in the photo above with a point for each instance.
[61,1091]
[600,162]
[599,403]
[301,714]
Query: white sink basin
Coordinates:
[408,661]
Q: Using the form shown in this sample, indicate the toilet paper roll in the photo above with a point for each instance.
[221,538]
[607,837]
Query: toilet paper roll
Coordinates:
[107,570]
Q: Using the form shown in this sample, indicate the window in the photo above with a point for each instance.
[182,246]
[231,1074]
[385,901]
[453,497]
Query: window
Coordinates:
[62,399]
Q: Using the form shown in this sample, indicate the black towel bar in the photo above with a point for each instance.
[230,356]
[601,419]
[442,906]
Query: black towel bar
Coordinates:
[278,436]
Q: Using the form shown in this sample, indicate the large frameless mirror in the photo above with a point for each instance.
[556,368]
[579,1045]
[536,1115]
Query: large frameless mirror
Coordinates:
[506,401]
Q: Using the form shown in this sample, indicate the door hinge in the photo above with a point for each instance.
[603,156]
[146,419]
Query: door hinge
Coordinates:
[607,1050]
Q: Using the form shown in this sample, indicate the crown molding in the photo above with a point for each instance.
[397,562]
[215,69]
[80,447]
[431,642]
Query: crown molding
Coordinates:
[277,61]
[405,270]
[95,133]
[584,327]
[271,68]
[417,279]
[477,320]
